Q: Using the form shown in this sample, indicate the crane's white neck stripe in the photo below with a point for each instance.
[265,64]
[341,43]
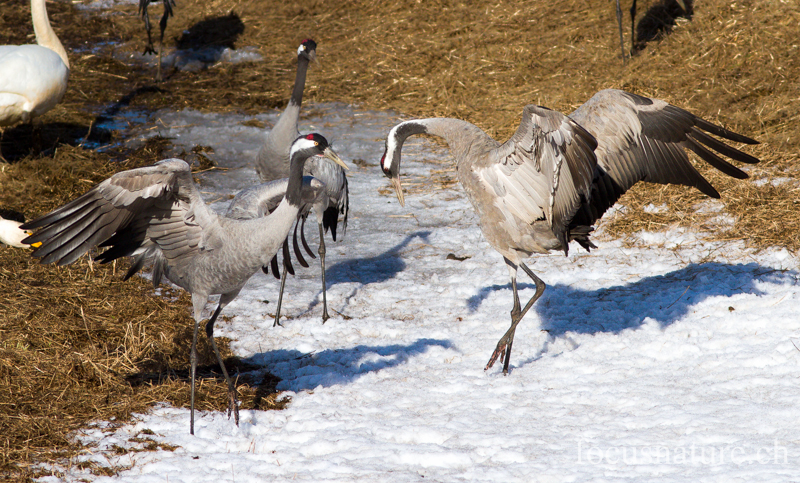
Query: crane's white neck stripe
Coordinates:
[301,49]
[300,145]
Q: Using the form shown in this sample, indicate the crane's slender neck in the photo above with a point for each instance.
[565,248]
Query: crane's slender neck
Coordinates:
[287,123]
[299,81]
[294,189]
[45,35]
[459,135]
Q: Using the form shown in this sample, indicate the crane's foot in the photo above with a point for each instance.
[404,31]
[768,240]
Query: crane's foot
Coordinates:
[149,49]
[233,405]
[502,351]
[325,315]
[498,353]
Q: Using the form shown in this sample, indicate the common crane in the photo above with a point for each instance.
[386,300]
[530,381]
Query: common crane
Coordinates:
[558,174]
[156,214]
[272,163]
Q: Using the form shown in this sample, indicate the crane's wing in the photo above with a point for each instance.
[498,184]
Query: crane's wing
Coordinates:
[156,210]
[643,139]
[338,206]
[336,191]
[544,171]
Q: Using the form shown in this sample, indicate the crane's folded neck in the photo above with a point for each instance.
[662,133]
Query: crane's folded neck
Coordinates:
[45,35]
[458,134]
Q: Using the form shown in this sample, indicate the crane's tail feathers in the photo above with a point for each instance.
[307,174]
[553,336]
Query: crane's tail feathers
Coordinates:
[287,260]
[305,243]
[330,220]
[297,252]
[138,263]
[581,235]
[274,265]
[159,265]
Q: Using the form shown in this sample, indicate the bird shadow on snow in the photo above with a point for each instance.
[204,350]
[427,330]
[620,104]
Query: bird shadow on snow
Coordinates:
[378,268]
[331,367]
[664,298]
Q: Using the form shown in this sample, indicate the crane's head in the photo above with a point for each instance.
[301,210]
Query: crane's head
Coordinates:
[390,161]
[308,50]
[314,145]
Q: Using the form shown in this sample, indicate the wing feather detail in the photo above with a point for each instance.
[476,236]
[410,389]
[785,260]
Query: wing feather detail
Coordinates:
[544,171]
[643,139]
[143,212]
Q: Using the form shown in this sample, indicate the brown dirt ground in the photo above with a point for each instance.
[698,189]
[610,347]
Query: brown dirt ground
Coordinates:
[78,344]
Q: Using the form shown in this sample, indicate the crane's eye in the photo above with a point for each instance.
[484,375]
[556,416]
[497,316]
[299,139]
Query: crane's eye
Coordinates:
[316,143]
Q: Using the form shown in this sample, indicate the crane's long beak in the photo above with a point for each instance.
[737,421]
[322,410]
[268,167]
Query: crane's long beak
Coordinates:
[313,56]
[398,190]
[331,154]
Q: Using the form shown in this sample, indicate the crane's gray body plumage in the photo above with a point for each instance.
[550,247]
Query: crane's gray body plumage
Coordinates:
[156,214]
[557,175]
[262,199]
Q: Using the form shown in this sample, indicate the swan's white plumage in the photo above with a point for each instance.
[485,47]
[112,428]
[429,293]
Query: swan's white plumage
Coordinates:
[11,234]
[33,78]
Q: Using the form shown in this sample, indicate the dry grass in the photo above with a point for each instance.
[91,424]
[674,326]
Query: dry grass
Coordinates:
[74,340]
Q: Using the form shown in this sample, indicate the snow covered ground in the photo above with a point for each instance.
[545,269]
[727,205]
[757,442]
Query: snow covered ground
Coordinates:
[671,361]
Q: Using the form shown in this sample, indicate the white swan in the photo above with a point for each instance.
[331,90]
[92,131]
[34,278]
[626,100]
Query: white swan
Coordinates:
[33,78]
[11,234]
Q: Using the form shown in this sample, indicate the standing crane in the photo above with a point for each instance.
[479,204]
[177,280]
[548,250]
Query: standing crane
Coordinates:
[156,214]
[558,174]
[168,12]
[33,78]
[272,163]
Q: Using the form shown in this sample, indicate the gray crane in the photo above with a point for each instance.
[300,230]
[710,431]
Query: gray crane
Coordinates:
[681,3]
[558,174]
[156,214]
[168,12]
[272,163]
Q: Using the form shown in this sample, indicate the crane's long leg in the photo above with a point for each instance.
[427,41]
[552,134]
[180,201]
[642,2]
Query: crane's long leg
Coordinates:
[148,49]
[325,315]
[163,25]
[232,403]
[193,359]
[504,344]
[280,295]
[287,268]
[633,25]
[621,41]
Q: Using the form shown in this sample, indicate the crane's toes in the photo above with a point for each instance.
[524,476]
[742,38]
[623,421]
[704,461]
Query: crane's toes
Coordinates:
[149,49]
[498,353]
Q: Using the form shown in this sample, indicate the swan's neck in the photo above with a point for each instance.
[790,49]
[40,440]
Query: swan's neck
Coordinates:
[45,36]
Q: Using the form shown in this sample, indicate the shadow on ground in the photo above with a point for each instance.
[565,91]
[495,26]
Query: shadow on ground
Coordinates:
[664,298]
[659,20]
